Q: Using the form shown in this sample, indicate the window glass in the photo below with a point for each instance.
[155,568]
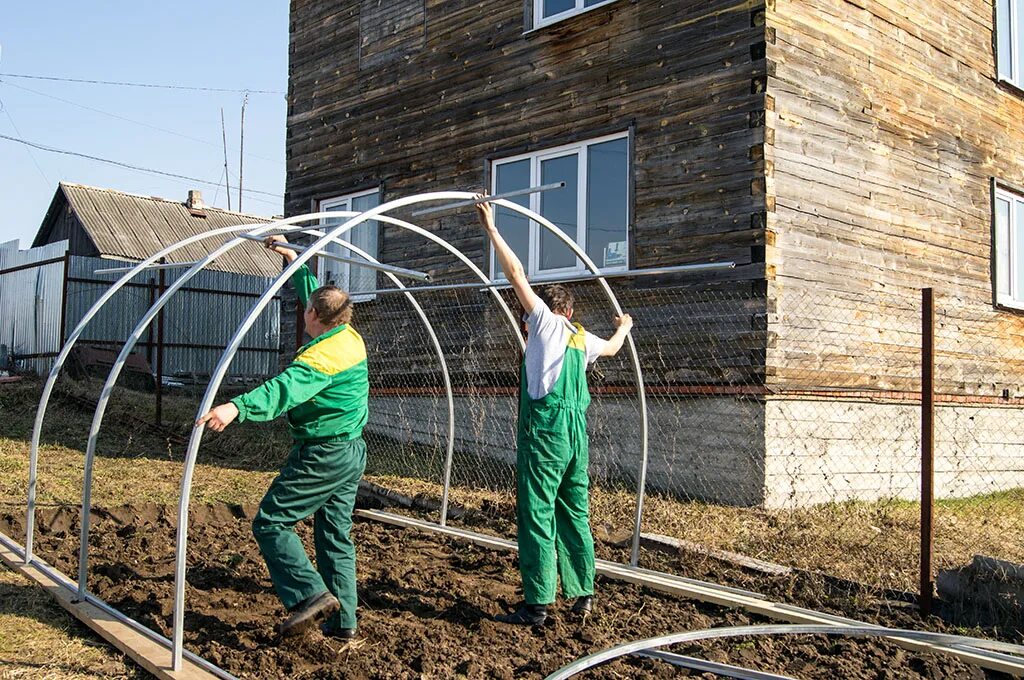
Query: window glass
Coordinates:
[552,7]
[514,228]
[607,202]
[559,206]
[1004,38]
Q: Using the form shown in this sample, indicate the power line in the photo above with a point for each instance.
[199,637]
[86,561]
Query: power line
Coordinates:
[31,155]
[152,171]
[130,120]
[148,85]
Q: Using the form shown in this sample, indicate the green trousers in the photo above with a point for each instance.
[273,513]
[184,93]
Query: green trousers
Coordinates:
[552,507]
[319,479]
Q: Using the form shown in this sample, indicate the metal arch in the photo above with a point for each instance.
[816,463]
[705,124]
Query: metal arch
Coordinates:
[58,363]
[641,389]
[260,304]
[221,369]
[83,555]
[1001,650]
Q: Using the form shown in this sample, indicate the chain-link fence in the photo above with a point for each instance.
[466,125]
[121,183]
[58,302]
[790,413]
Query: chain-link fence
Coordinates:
[784,425]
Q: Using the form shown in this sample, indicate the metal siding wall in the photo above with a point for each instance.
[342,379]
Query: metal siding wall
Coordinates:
[31,302]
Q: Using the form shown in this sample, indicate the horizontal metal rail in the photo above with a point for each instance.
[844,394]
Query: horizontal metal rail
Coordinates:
[487,199]
[148,267]
[184,289]
[655,271]
[359,262]
[31,265]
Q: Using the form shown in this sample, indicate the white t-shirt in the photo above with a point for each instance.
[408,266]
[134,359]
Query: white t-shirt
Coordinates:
[547,339]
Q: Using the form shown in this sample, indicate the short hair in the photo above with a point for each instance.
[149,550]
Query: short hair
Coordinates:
[558,298]
[332,305]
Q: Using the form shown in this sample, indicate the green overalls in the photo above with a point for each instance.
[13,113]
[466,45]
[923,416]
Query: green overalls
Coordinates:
[325,392]
[552,484]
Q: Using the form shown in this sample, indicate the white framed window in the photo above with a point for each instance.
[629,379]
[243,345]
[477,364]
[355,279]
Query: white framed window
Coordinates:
[1010,41]
[547,12]
[592,208]
[351,278]
[1009,248]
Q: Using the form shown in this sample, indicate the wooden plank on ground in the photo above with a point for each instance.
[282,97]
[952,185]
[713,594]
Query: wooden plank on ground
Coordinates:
[145,651]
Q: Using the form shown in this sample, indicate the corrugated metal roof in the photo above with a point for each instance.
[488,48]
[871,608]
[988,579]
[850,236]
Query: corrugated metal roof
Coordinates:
[133,227]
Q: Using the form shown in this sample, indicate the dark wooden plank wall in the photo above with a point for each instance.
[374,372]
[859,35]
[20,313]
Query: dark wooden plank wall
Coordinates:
[887,128]
[467,85]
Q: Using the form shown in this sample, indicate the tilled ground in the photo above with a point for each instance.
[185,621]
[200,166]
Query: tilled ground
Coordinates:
[426,608]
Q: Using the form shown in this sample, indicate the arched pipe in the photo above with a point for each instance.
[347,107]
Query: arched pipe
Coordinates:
[235,342]
[58,364]
[949,644]
[98,415]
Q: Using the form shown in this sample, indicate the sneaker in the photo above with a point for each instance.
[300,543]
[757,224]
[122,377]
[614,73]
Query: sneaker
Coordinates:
[526,615]
[583,606]
[308,613]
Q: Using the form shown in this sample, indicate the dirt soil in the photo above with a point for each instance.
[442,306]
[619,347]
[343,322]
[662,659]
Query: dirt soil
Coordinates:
[426,608]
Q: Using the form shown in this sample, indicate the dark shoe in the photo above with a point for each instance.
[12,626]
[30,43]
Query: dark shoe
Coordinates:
[308,613]
[342,634]
[526,615]
[583,606]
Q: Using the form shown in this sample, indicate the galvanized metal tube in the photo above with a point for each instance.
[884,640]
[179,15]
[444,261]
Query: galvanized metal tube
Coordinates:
[488,199]
[136,334]
[636,273]
[979,644]
[58,364]
[376,265]
[108,388]
[152,267]
[229,352]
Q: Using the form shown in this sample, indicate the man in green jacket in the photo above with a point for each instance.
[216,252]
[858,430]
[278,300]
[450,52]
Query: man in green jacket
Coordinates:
[325,392]
[552,450]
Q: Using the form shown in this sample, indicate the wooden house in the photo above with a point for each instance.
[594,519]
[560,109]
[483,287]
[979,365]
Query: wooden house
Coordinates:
[842,154]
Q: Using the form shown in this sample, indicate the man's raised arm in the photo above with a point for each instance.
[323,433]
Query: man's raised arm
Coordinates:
[507,258]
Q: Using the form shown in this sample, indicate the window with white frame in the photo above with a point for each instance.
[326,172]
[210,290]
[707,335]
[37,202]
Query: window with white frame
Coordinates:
[547,12]
[592,208]
[351,278]
[1009,250]
[1010,41]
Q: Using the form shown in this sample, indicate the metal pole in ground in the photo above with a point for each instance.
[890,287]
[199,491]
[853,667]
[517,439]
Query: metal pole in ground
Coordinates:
[927,447]
[160,351]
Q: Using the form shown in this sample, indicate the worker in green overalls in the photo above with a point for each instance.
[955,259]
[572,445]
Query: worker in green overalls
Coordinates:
[552,483]
[325,392]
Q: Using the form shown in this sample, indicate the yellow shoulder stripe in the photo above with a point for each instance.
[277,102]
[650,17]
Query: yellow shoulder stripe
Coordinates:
[337,353]
[578,339]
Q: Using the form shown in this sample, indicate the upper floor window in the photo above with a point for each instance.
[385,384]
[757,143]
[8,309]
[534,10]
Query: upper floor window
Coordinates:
[352,278]
[1010,41]
[549,11]
[592,208]
[1009,250]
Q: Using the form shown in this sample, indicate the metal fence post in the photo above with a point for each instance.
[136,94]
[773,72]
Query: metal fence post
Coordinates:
[927,447]
[161,287]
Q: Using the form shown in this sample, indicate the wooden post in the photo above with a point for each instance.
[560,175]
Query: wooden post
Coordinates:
[160,350]
[63,330]
[927,447]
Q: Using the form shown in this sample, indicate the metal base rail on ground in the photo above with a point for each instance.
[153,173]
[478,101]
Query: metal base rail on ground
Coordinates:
[938,642]
[974,653]
[965,649]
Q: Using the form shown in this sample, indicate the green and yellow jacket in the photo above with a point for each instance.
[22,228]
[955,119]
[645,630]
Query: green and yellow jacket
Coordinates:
[326,388]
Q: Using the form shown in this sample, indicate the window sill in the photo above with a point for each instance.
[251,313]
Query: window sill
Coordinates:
[1012,88]
[1004,304]
[558,18]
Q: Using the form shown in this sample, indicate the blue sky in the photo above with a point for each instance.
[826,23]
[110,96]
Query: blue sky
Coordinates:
[207,44]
